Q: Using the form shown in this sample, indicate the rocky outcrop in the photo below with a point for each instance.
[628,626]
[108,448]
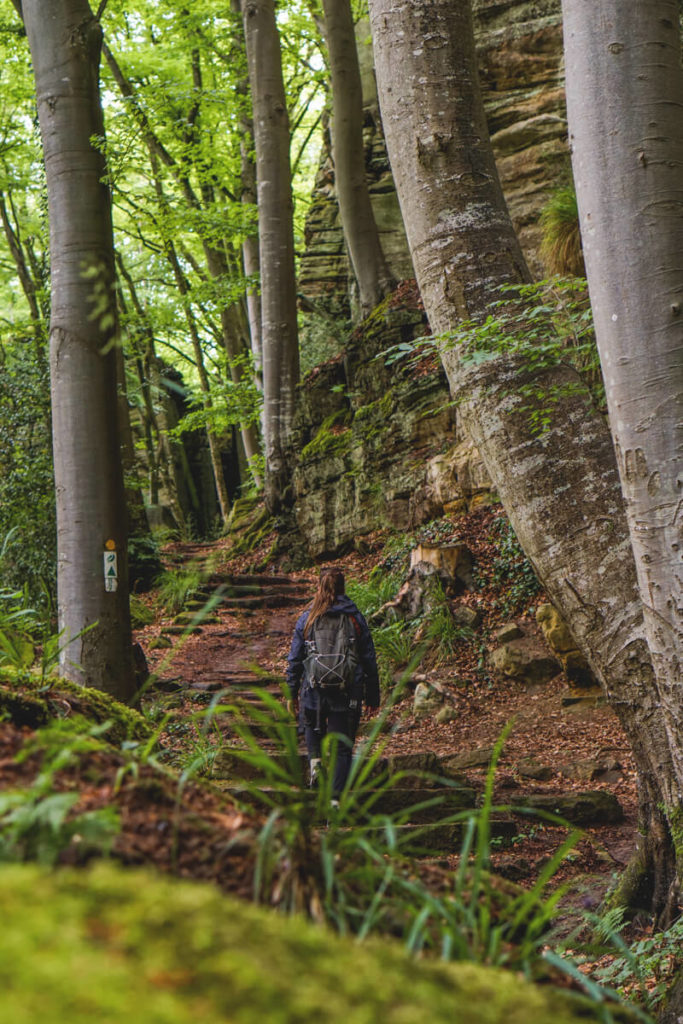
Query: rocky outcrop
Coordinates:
[525,661]
[519,44]
[557,636]
[366,433]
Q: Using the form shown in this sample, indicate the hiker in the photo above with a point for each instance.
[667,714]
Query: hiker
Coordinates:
[332,640]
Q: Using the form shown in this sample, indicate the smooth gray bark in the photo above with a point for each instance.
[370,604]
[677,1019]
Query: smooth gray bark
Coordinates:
[627,156]
[65,41]
[249,197]
[279,337]
[561,490]
[372,273]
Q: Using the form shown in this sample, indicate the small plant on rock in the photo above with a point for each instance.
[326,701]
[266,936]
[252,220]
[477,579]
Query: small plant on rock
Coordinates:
[176,587]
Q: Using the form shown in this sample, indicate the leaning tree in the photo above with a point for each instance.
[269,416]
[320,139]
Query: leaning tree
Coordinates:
[628,164]
[560,488]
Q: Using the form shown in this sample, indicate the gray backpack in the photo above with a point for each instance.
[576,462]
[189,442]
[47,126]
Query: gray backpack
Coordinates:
[332,655]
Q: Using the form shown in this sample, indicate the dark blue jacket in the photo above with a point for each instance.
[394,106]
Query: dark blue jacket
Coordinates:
[366,687]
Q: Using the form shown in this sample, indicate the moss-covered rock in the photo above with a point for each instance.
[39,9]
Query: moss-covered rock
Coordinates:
[35,703]
[110,945]
[363,433]
[598,805]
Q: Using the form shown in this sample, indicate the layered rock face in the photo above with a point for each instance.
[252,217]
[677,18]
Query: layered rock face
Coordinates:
[519,43]
[325,276]
[357,416]
[376,441]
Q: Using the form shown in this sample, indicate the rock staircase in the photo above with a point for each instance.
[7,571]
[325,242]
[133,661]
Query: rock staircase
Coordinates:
[421,804]
[250,622]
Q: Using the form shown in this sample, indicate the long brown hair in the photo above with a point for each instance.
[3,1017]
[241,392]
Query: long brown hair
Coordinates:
[330,586]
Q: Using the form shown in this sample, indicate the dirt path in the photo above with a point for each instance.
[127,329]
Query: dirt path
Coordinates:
[553,749]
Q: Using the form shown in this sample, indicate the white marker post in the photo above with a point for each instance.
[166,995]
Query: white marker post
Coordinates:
[111,571]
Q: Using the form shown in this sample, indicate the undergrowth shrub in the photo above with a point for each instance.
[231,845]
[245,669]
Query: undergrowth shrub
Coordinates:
[37,823]
[645,969]
[27,494]
[353,868]
[369,597]
[29,645]
[511,572]
[561,243]
[547,324]
[175,587]
[394,645]
[441,632]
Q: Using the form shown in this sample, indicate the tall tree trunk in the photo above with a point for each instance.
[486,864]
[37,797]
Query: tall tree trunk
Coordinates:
[142,354]
[249,197]
[628,161]
[276,239]
[560,489]
[250,254]
[236,348]
[65,45]
[373,276]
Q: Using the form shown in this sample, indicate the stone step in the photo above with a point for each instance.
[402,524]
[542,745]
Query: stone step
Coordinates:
[255,579]
[424,766]
[440,802]
[237,688]
[598,807]
[267,599]
[230,768]
[426,840]
[423,806]
[244,685]
[412,768]
[188,618]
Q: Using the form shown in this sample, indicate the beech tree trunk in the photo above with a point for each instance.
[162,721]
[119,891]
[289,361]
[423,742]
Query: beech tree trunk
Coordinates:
[561,489]
[65,41]
[249,197]
[372,274]
[628,163]
[279,337]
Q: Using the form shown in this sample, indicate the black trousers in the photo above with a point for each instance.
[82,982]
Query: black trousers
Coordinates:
[317,724]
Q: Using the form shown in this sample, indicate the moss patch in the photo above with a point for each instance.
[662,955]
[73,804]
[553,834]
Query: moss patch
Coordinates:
[333,436]
[112,946]
[36,703]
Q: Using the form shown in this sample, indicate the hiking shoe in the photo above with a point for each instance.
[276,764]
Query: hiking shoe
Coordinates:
[315,773]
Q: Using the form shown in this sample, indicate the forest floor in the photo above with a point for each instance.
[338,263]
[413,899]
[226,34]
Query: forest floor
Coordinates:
[572,746]
[196,831]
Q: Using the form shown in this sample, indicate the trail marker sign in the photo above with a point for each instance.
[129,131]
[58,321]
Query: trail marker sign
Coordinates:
[111,571]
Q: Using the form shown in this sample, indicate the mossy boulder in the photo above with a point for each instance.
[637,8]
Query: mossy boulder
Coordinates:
[526,661]
[363,431]
[563,644]
[110,945]
[594,806]
[35,703]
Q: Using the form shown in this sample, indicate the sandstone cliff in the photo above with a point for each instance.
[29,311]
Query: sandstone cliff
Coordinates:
[520,55]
